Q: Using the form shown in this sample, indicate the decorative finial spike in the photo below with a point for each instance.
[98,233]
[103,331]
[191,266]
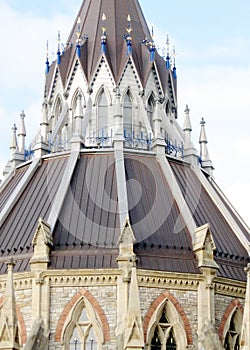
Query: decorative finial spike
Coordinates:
[78,40]
[47,58]
[174,68]
[59,48]
[128,36]
[152,33]
[168,66]
[104,35]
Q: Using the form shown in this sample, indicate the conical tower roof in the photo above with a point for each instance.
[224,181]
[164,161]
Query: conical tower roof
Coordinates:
[88,26]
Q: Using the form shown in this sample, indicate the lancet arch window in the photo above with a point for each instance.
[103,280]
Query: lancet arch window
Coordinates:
[83,331]
[151,109]
[128,115]
[57,110]
[233,334]
[167,108]
[166,329]
[102,121]
[164,335]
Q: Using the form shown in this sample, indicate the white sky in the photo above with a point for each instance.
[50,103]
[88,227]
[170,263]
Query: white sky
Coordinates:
[212,40]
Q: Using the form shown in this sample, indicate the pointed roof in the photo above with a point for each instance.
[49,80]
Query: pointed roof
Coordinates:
[89,29]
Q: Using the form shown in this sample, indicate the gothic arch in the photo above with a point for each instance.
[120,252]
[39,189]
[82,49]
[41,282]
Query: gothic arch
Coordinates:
[83,297]
[102,89]
[132,94]
[74,98]
[177,316]
[151,107]
[58,106]
[20,320]
[234,306]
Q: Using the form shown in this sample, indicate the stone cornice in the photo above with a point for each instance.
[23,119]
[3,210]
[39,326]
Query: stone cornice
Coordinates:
[108,277]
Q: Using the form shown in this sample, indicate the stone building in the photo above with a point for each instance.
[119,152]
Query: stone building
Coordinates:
[113,231]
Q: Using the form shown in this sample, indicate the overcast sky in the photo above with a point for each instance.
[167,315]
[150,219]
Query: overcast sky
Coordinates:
[212,40]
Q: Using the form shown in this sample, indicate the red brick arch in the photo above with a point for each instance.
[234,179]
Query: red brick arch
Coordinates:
[168,296]
[235,304]
[96,306]
[20,322]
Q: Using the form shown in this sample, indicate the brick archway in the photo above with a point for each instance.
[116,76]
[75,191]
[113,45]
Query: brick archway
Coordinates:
[168,296]
[70,305]
[20,320]
[235,304]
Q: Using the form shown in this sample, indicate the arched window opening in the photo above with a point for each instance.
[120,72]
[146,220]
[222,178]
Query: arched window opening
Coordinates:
[163,337]
[102,116]
[58,109]
[81,333]
[128,115]
[151,109]
[232,339]
[167,108]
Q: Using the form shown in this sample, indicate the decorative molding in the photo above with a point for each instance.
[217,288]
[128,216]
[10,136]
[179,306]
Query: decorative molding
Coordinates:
[168,280]
[232,289]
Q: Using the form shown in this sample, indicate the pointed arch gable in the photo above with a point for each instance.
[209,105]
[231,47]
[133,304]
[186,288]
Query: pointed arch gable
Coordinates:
[232,307]
[95,71]
[71,305]
[157,305]
[20,320]
[130,62]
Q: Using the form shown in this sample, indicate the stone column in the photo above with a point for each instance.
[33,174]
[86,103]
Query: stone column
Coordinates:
[204,246]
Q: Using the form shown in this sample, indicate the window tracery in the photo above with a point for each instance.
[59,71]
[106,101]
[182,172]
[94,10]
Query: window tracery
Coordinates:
[82,332]
[164,336]
[232,338]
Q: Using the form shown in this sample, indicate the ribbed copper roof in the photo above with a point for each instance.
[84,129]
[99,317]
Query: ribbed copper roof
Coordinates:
[88,226]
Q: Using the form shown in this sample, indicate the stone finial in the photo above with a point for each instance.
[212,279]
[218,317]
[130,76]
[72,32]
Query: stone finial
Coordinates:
[14,144]
[127,236]
[42,243]
[9,333]
[44,121]
[206,162]
[187,122]
[190,153]
[22,133]
[204,247]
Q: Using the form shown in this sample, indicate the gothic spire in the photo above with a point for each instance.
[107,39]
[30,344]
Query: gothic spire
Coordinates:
[13,145]
[22,133]
[206,162]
